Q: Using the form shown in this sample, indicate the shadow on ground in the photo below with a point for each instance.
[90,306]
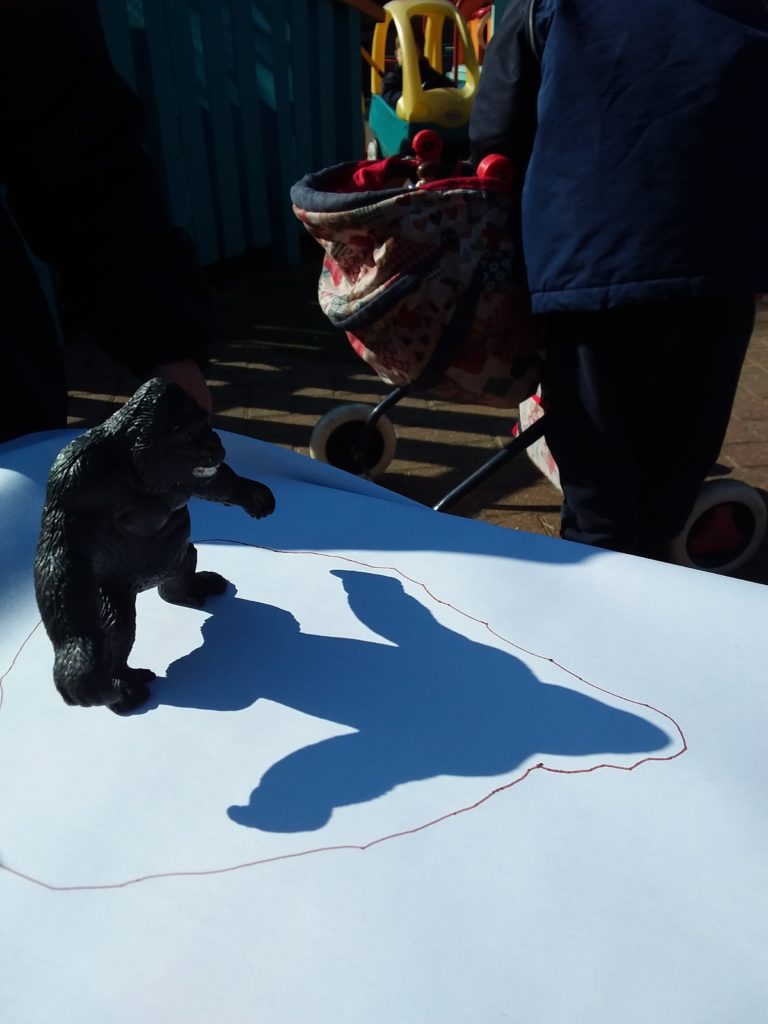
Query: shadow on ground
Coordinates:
[278,366]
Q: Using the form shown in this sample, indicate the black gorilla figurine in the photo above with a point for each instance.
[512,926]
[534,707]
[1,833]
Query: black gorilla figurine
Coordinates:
[115,523]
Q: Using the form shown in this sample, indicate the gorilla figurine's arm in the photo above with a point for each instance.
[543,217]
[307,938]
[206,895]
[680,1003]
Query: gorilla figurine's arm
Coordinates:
[65,583]
[66,586]
[69,602]
[227,488]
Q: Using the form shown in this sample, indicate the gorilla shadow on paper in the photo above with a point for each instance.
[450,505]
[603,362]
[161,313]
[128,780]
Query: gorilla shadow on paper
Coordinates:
[426,702]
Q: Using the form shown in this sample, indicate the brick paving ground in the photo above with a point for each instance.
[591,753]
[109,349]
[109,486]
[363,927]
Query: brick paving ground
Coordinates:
[746,446]
[279,367]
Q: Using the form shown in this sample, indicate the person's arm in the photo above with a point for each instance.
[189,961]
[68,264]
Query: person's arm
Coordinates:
[504,112]
[86,197]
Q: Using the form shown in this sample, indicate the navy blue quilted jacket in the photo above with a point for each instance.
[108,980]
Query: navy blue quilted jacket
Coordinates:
[644,130]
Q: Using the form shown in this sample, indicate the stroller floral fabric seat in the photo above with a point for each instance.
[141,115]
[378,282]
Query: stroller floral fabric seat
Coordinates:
[426,280]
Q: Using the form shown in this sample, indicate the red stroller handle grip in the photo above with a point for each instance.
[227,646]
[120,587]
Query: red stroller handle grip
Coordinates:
[427,145]
[497,167]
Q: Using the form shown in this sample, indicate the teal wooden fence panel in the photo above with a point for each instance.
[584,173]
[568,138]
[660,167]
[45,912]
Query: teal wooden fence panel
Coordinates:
[242,98]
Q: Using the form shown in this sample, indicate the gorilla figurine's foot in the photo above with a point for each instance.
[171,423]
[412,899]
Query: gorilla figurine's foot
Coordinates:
[129,695]
[135,676]
[192,590]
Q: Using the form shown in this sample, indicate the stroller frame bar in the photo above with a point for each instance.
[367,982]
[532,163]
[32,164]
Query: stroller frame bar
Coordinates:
[510,451]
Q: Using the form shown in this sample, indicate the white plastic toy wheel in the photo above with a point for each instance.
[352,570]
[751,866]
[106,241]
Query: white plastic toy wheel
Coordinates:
[373,150]
[744,516]
[337,439]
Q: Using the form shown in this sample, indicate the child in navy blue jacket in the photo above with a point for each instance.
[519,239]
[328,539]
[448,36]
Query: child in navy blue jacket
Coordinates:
[392,81]
[639,134]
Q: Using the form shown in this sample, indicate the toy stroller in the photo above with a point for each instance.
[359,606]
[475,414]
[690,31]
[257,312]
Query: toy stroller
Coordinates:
[422,271]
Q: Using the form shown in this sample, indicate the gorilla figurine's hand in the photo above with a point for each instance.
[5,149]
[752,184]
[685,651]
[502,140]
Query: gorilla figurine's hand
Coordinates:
[85,677]
[81,672]
[229,488]
[257,499]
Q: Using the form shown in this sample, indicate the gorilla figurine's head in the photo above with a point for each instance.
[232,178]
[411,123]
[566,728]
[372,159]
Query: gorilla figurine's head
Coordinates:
[170,438]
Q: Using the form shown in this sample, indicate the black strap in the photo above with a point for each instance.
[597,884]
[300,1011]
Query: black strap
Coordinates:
[531,31]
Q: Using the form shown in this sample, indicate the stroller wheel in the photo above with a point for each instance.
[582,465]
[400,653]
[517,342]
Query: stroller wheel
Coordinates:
[344,439]
[725,529]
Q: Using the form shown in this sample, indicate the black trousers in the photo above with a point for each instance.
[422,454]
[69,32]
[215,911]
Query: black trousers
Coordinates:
[638,402]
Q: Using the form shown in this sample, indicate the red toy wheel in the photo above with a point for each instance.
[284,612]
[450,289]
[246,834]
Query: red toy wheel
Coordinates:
[427,145]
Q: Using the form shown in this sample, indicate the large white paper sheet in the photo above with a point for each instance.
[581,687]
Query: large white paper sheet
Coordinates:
[408,767]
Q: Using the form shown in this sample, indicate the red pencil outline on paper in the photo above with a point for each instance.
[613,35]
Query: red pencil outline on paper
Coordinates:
[362,847]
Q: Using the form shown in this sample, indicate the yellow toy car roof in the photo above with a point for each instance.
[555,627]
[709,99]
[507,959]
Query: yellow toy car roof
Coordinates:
[450,108]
